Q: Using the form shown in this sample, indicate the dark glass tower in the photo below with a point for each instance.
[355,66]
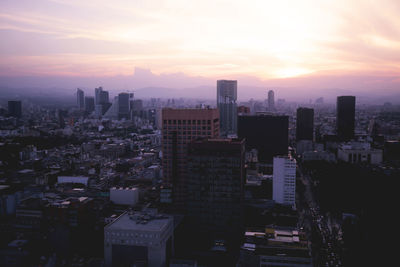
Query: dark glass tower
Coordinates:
[345,116]
[215,187]
[266,133]
[305,124]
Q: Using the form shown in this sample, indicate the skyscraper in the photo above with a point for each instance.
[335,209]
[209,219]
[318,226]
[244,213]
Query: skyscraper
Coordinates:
[103,97]
[80,98]
[89,104]
[345,117]
[305,124]
[97,95]
[123,106]
[15,108]
[215,186]
[226,103]
[267,133]
[179,127]
[284,180]
[271,100]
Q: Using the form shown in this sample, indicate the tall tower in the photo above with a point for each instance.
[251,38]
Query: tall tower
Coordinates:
[271,100]
[305,124]
[268,134]
[284,180]
[215,186]
[226,103]
[97,92]
[179,127]
[123,106]
[345,117]
[80,98]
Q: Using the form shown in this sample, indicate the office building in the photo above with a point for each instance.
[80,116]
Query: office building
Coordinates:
[180,127]
[138,239]
[271,100]
[226,103]
[80,98]
[89,104]
[15,108]
[268,134]
[215,186]
[123,106]
[103,97]
[345,117]
[97,92]
[305,124]
[359,152]
[284,180]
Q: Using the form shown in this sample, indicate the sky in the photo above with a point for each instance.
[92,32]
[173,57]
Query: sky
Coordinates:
[262,39]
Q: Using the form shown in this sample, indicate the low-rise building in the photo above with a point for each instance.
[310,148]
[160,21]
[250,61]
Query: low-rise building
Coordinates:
[138,238]
[359,152]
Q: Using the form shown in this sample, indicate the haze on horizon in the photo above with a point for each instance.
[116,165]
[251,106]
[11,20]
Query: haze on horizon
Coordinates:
[305,44]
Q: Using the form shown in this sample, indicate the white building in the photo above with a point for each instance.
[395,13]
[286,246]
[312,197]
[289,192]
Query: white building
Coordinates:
[358,152]
[284,180]
[138,238]
[124,196]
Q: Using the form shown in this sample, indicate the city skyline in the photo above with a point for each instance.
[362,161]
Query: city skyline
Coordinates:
[263,43]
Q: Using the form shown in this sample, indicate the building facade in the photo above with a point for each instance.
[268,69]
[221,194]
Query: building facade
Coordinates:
[271,100]
[123,106]
[138,238]
[89,104]
[356,152]
[345,117]
[180,127]
[215,186]
[80,98]
[305,124]
[284,180]
[268,134]
[226,103]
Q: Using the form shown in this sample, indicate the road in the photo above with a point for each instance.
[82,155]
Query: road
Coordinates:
[323,231]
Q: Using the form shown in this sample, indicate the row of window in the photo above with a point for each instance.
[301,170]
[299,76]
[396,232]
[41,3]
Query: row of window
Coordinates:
[189,122]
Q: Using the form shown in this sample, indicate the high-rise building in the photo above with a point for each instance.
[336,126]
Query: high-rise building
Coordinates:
[179,127]
[215,186]
[268,134]
[97,95]
[226,103]
[103,97]
[80,98]
[137,107]
[345,117]
[271,100]
[89,104]
[15,108]
[284,180]
[305,124]
[123,106]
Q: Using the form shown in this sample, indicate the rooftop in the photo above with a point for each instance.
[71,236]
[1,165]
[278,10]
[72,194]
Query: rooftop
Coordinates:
[140,221]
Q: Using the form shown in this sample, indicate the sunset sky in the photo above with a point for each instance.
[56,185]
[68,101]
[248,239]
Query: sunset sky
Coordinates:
[265,39]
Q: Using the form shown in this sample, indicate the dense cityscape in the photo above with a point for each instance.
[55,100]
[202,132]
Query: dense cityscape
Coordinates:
[212,133]
[180,182]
